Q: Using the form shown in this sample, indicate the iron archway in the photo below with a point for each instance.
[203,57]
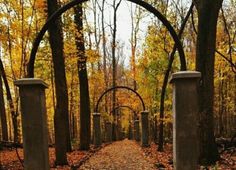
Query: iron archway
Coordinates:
[119,87]
[69,5]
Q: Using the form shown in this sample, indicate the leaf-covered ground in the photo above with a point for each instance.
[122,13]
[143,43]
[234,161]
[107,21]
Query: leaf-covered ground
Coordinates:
[164,160]
[120,155]
[9,160]
[161,160]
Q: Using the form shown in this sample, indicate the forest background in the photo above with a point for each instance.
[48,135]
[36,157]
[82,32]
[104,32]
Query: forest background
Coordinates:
[141,46]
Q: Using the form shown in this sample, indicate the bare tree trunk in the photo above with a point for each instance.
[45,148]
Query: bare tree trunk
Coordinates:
[10,102]
[134,33]
[3,113]
[104,54]
[114,69]
[61,119]
[13,113]
[165,82]
[221,99]
[52,136]
[72,107]
[23,59]
[205,59]
[85,122]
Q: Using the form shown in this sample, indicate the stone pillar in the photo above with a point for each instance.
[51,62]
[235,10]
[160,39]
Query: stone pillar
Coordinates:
[144,129]
[34,123]
[108,132]
[136,130]
[118,130]
[114,130]
[97,129]
[130,134]
[185,111]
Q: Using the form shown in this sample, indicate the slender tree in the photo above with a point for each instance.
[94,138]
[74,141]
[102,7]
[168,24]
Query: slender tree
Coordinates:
[10,102]
[101,8]
[3,116]
[114,63]
[136,16]
[85,131]
[165,82]
[205,59]
[61,117]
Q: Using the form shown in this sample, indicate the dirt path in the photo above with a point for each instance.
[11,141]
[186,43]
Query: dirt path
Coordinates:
[121,155]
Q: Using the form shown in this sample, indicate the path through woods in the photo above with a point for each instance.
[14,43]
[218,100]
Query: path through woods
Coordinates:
[119,155]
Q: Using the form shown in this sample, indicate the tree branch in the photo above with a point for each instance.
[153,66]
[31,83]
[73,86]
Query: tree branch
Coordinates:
[160,147]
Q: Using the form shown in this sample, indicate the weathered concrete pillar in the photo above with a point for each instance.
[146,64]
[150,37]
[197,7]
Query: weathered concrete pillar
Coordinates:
[130,132]
[118,130]
[97,129]
[144,129]
[185,111]
[136,130]
[34,123]
[108,132]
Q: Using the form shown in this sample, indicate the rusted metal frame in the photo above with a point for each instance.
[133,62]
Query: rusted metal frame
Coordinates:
[118,87]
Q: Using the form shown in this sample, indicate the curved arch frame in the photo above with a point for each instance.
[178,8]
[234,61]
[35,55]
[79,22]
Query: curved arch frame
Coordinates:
[69,5]
[118,87]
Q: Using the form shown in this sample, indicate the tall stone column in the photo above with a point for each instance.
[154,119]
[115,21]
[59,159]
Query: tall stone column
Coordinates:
[97,129]
[34,123]
[136,130]
[108,132]
[144,129]
[185,111]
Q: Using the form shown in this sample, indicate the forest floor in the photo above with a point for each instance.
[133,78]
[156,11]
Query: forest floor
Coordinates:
[120,155]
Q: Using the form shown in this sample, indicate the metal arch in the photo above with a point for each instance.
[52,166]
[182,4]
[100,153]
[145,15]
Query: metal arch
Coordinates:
[169,27]
[123,106]
[119,87]
[39,37]
[69,5]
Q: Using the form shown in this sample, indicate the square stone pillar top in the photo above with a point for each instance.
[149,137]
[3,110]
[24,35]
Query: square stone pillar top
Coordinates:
[185,75]
[145,112]
[96,114]
[30,82]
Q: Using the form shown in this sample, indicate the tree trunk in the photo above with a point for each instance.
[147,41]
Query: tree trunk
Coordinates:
[101,8]
[114,68]
[135,25]
[3,113]
[85,131]
[221,94]
[165,83]
[61,119]
[72,107]
[205,58]
[10,102]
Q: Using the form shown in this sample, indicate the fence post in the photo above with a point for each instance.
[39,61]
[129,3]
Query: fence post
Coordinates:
[97,129]
[185,111]
[144,129]
[34,123]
